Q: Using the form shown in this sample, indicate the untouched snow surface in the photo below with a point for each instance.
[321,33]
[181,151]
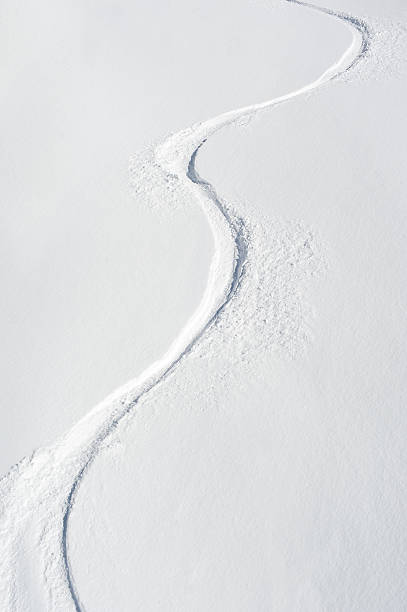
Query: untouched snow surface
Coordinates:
[245,469]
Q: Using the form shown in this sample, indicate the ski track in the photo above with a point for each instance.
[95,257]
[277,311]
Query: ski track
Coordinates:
[176,156]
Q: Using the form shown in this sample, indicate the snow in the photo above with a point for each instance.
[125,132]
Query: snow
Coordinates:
[73,236]
[258,462]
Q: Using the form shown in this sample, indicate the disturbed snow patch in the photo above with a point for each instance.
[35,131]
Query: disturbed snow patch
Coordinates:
[388,50]
[270,310]
[270,307]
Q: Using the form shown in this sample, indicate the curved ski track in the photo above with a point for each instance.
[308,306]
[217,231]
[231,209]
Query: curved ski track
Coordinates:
[237,228]
[185,146]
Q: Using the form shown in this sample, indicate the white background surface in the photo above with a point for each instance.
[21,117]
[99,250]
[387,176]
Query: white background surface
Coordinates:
[95,285]
[256,478]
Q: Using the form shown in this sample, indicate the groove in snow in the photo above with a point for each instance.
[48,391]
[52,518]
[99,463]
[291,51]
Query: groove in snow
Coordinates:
[38,521]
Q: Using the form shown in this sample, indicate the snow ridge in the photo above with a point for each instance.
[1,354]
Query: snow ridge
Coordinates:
[38,493]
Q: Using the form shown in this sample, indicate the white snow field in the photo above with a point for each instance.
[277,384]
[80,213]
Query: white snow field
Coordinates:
[96,282]
[257,460]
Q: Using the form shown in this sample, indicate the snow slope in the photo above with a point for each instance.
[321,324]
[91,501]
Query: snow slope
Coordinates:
[252,480]
[259,270]
[96,282]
